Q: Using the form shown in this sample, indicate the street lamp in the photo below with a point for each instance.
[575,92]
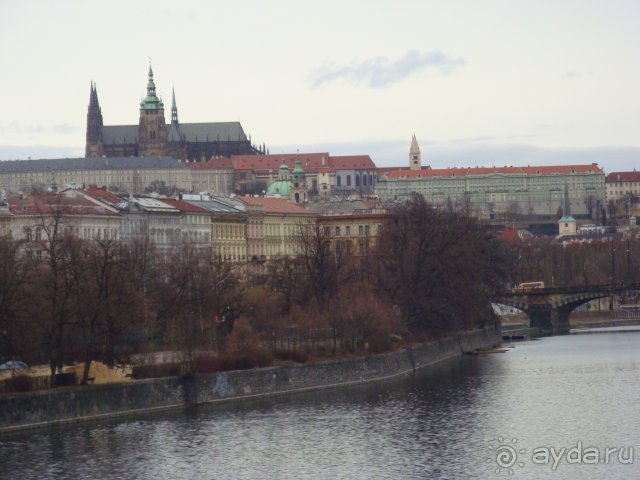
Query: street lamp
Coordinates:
[628,259]
[613,262]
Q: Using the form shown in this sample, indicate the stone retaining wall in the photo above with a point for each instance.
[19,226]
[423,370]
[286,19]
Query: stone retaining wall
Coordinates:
[35,409]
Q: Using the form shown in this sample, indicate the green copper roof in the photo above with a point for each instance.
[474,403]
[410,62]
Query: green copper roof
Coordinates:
[283,171]
[280,187]
[297,170]
[151,101]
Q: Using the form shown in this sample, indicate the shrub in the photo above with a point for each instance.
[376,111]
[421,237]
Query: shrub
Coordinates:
[157,370]
[21,383]
[207,363]
[297,356]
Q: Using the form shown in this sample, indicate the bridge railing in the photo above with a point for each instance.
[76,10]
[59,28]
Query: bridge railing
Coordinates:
[607,287]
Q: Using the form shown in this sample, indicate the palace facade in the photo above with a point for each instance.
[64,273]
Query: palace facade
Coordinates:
[489,191]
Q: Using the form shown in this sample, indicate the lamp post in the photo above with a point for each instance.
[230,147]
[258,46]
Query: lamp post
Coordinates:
[628,259]
[613,262]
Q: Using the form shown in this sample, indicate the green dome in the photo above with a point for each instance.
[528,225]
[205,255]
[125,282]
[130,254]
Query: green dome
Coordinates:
[280,187]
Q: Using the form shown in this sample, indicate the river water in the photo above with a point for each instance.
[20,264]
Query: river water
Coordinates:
[506,415]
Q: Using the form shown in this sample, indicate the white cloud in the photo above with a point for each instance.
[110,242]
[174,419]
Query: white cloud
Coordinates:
[379,72]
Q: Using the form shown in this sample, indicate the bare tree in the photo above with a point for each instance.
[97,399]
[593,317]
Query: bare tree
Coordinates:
[15,325]
[440,269]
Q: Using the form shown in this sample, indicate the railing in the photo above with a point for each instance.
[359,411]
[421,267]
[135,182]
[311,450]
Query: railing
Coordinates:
[608,287]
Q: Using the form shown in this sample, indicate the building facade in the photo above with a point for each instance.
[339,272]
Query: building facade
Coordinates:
[489,191]
[136,175]
[274,227]
[356,234]
[228,227]
[622,185]
[325,175]
[33,218]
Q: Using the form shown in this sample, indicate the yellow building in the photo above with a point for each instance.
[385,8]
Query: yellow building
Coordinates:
[356,233]
[228,227]
[274,227]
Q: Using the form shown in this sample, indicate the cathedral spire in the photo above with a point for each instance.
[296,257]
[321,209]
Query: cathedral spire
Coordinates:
[94,125]
[151,102]
[174,109]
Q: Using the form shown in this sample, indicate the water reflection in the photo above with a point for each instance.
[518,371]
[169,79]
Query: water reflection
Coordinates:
[440,423]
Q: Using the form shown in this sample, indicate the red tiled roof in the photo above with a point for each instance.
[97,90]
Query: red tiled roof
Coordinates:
[351,162]
[461,172]
[510,235]
[273,162]
[183,206]
[311,162]
[614,177]
[101,194]
[47,204]
[273,205]
[383,170]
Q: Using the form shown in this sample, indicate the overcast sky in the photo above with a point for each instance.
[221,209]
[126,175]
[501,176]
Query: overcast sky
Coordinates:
[491,82]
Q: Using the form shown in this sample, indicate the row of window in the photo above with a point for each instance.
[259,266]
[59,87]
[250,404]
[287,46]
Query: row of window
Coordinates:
[362,230]
[366,180]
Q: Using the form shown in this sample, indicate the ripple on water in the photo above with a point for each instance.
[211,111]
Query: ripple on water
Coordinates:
[437,424]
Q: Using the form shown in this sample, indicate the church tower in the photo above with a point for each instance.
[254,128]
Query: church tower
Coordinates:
[152,130]
[567,224]
[414,155]
[298,184]
[94,147]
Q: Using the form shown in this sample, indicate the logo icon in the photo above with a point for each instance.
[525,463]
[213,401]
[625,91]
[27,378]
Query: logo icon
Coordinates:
[505,455]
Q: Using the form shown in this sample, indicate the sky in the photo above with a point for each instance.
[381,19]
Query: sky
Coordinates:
[479,83]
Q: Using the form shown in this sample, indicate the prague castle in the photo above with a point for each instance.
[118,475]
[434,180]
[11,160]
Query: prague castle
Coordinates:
[153,137]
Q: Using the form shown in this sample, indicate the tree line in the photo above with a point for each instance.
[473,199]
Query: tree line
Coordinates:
[431,272]
[601,261]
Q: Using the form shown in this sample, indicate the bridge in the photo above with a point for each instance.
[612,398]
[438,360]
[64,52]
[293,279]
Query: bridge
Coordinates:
[549,308]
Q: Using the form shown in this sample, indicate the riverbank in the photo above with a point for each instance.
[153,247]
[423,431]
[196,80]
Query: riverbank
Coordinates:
[75,404]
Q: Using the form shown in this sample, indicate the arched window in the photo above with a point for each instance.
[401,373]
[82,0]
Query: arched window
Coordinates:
[338,180]
[364,180]
[357,180]
[371,180]
[348,180]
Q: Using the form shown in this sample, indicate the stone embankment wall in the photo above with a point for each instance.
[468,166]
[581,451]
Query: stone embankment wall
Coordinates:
[35,409]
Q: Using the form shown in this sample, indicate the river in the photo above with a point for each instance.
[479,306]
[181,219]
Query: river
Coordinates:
[547,408]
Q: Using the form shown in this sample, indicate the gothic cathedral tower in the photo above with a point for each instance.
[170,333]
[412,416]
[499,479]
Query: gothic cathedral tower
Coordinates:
[414,155]
[152,130]
[94,147]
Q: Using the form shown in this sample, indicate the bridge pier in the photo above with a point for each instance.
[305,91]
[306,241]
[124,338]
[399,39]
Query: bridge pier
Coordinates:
[552,321]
